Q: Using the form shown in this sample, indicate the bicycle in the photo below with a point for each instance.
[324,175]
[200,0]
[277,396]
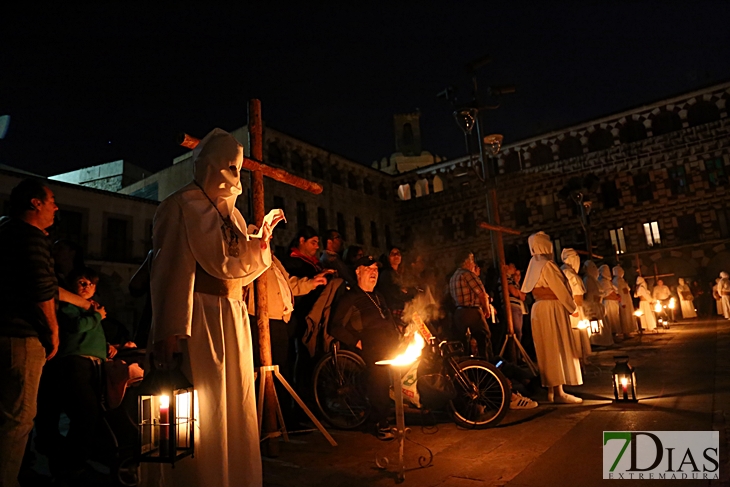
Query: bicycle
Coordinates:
[482,392]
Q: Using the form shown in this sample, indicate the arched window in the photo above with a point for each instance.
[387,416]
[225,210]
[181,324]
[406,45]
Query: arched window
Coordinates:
[421,187]
[665,122]
[702,112]
[600,139]
[570,147]
[317,168]
[335,175]
[512,162]
[540,155]
[632,131]
[404,192]
[297,164]
[407,135]
[274,154]
[438,184]
[352,181]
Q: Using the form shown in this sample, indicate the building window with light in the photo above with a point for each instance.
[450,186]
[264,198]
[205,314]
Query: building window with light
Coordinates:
[618,241]
[651,231]
[716,174]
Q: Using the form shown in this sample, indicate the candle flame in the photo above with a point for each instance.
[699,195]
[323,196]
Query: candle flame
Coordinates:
[638,313]
[658,307]
[672,303]
[410,355]
[624,381]
[583,324]
[164,402]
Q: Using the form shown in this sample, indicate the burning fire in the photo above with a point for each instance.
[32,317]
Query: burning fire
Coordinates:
[672,303]
[658,307]
[583,324]
[638,313]
[410,355]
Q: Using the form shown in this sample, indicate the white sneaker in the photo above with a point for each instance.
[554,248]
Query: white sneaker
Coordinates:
[521,402]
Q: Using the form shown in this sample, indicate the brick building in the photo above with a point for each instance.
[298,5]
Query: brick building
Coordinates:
[657,178]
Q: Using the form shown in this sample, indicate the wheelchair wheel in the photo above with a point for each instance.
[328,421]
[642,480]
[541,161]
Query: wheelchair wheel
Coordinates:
[482,396]
[340,389]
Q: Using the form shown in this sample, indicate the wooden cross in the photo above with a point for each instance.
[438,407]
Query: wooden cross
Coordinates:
[268,370]
[511,338]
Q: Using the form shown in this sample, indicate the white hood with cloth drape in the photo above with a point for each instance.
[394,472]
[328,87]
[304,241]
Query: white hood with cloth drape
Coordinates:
[628,320]
[571,264]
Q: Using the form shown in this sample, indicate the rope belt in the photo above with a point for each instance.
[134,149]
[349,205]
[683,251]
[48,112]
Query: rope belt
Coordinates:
[543,294]
[207,284]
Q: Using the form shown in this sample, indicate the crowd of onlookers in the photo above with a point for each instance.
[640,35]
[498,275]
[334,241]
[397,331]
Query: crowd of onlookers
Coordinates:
[319,291]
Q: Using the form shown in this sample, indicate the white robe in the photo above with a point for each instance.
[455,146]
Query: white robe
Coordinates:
[718,301]
[557,357]
[594,311]
[648,320]
[611,307]
[581,337]
[626,313]
[723,289]
[687,305]
[218,351]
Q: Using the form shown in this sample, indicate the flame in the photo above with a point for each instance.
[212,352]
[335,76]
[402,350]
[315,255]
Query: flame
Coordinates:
[410,355]
[638,313]
[672,303]
[164,402]
[624,381]
[583,324]
[658,307]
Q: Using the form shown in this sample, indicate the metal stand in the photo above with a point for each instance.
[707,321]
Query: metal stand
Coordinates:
[521,351]
[400,431]
[267,374]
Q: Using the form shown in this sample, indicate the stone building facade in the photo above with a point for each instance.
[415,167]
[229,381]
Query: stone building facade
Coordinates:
[357,200]
[656,176]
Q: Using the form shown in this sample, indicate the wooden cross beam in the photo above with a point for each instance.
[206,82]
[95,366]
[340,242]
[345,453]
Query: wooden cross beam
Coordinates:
[258,171]
[585,252]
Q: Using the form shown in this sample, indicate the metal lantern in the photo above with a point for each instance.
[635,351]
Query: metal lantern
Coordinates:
[624,380]
[166,417]
[596,326]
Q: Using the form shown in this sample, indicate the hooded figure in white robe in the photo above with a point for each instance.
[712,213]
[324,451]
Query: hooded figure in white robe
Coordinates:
[203,256]
[593,306]
[611,305]
[628,320]
[648,320]
[723,289]
[686,300]
[571,264]
[557,356]
[717,297]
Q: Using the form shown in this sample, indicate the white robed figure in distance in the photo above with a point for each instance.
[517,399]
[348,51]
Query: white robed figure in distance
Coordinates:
[611,306]
[203,257]
[717,297]
[571,264]
[557,357]
[593,306]
[723,289]
[628,320]
[648,320]
[686,300]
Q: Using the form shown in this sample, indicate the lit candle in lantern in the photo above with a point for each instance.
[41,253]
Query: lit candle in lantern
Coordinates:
[625,386]
[164,425]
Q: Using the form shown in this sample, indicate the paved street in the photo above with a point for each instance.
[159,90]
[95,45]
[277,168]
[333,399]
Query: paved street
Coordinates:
[683,384]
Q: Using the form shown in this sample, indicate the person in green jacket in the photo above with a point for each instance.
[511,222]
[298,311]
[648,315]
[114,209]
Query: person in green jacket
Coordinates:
[71,381]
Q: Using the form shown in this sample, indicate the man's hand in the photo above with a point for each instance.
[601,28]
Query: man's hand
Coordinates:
[321,278]
[54,344]
[111,350]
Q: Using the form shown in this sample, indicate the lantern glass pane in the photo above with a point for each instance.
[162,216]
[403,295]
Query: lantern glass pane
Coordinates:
[183,418]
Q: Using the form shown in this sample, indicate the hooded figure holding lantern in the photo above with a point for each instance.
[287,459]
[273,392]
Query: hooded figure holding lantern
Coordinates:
[203,256]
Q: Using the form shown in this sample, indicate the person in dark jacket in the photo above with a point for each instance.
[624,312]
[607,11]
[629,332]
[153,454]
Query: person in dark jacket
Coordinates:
[363,320]
[391,282]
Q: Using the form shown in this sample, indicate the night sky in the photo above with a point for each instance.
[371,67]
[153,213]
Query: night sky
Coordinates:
[92,84]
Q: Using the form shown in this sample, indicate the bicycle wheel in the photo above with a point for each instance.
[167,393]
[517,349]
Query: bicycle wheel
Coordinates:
[339,389]
[482,396]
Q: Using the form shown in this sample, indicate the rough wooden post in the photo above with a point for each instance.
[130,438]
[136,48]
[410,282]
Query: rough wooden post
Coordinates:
[511,351]
[256,145]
